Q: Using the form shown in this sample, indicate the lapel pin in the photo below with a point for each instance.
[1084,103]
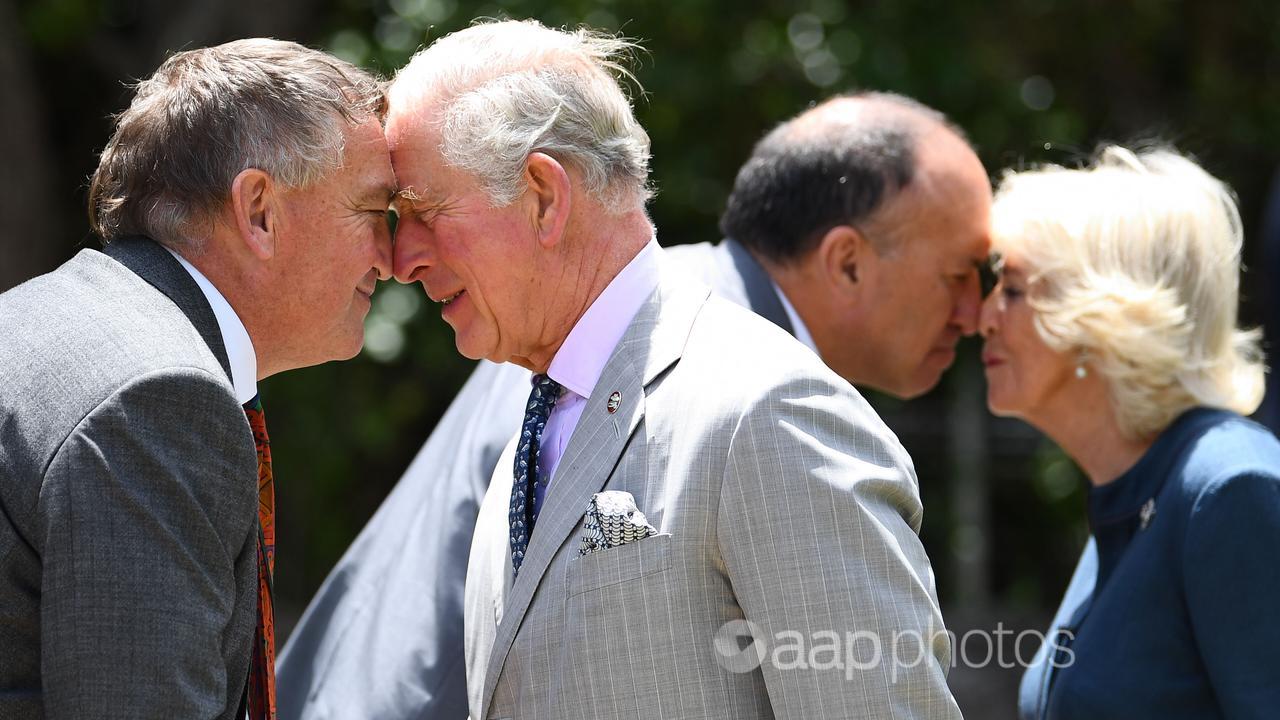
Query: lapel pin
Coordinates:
[615,400]
[1148,511]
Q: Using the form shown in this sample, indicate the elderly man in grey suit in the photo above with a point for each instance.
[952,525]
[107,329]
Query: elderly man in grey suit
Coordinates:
[685,469]
[241,201]
[908,194]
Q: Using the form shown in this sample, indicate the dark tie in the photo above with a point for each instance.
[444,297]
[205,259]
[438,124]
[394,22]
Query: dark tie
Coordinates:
[541,401]
[262,667]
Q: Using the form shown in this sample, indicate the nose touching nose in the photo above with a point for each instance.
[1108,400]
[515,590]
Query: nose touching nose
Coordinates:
[967,310]
[987,315]
[384,259]
[408,254]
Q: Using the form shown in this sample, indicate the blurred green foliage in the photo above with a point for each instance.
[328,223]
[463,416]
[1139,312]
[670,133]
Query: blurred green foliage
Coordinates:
[1029,80]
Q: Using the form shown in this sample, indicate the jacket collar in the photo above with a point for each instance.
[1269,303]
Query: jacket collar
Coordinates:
[653,342]
[151,262]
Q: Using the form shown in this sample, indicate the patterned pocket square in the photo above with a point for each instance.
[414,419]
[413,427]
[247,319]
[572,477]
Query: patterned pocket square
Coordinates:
[613,519]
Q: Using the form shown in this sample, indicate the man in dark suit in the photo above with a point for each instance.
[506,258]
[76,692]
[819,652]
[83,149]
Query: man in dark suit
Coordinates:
[856,226]
[241,204]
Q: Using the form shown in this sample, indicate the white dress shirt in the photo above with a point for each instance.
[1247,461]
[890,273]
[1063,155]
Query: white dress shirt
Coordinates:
[243,360]
[802,332]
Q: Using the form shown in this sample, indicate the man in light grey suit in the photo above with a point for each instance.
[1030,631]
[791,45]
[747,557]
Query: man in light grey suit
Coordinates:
[910,182]
[241,201]
[684,468]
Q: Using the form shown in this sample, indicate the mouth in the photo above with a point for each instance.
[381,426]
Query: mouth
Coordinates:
[449,299]
[367,284]
[991,361]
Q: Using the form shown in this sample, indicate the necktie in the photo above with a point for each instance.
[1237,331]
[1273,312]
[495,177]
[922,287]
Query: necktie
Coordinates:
[541,401]
[262,667]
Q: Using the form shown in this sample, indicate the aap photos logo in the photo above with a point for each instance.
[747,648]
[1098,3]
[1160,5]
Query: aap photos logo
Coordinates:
[740,646]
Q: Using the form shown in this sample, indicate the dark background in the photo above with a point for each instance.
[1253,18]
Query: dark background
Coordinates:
[1029,80]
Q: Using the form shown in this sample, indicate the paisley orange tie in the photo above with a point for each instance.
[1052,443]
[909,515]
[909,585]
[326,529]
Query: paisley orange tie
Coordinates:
[262,668]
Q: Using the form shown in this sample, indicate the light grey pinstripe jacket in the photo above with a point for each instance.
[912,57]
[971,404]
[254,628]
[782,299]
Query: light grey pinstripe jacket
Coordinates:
[382,639]
[780,497]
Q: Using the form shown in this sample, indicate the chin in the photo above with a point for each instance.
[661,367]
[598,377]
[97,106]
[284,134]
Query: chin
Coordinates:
[1001,407]
[915,387]
[351,347]
[467,350]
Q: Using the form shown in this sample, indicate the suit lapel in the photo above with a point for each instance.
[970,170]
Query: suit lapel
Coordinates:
[762,297]
[653,342]
[151,262]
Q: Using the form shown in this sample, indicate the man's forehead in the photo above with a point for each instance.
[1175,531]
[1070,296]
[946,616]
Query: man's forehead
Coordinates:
[412,114]
[417,164]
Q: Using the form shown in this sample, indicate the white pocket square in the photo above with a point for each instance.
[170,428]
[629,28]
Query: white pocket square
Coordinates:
[613,519]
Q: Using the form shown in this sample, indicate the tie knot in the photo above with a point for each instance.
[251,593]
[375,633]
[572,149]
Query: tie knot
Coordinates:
[254,404]
[543,397]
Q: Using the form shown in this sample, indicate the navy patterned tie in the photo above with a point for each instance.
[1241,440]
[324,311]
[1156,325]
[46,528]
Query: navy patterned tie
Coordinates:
[541,401]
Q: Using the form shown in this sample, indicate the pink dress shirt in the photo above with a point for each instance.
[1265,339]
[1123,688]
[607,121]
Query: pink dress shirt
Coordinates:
[581,359]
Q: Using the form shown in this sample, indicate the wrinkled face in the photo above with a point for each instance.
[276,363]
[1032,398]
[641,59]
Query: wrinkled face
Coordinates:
[334,246]
[926,290]
[478,261]
[1025,377]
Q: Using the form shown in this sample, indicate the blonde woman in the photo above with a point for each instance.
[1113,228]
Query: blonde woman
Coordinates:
[1113,330]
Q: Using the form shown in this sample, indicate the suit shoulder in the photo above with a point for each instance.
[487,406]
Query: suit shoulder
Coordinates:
[82,333]
[1224,449]
[738,363]
[93,320]
[756,345]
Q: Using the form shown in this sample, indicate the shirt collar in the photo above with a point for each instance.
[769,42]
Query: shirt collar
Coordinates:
[581,359]
[802,332]
[240,354]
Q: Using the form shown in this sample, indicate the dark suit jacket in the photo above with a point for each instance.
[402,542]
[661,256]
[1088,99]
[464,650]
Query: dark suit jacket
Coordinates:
[128,496]
[383,637]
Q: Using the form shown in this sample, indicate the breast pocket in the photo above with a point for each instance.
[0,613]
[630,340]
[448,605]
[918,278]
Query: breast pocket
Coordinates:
[620,564]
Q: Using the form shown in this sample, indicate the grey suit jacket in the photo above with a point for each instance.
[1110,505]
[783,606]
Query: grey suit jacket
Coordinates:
[383,636]
[128,496]
[779,497]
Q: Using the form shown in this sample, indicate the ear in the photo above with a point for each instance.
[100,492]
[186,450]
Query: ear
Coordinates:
[253,204]
[846,260]
[549,191]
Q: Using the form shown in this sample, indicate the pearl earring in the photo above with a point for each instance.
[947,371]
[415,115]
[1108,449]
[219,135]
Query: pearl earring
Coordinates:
[1081,371]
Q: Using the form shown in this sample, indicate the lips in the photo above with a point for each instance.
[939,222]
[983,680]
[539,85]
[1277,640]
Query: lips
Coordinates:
[449,299]
[989,360]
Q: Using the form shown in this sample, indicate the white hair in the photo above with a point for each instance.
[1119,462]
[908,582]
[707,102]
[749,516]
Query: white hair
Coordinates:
[502,90]
[1134,262]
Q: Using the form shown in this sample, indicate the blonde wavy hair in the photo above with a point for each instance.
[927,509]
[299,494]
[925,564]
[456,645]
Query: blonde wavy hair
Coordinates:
[1134,264]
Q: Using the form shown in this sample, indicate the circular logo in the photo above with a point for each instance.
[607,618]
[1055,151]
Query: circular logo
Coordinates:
[740,646]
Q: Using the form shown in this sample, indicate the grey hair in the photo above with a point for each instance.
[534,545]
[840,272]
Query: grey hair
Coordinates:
[206,115]
[503,90]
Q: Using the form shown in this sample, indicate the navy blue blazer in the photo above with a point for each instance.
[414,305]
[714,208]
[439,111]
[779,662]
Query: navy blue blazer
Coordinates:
[1171,612]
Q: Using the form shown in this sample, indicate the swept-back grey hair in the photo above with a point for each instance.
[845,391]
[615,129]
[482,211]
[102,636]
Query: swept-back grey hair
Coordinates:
[502,90]
[206,115]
